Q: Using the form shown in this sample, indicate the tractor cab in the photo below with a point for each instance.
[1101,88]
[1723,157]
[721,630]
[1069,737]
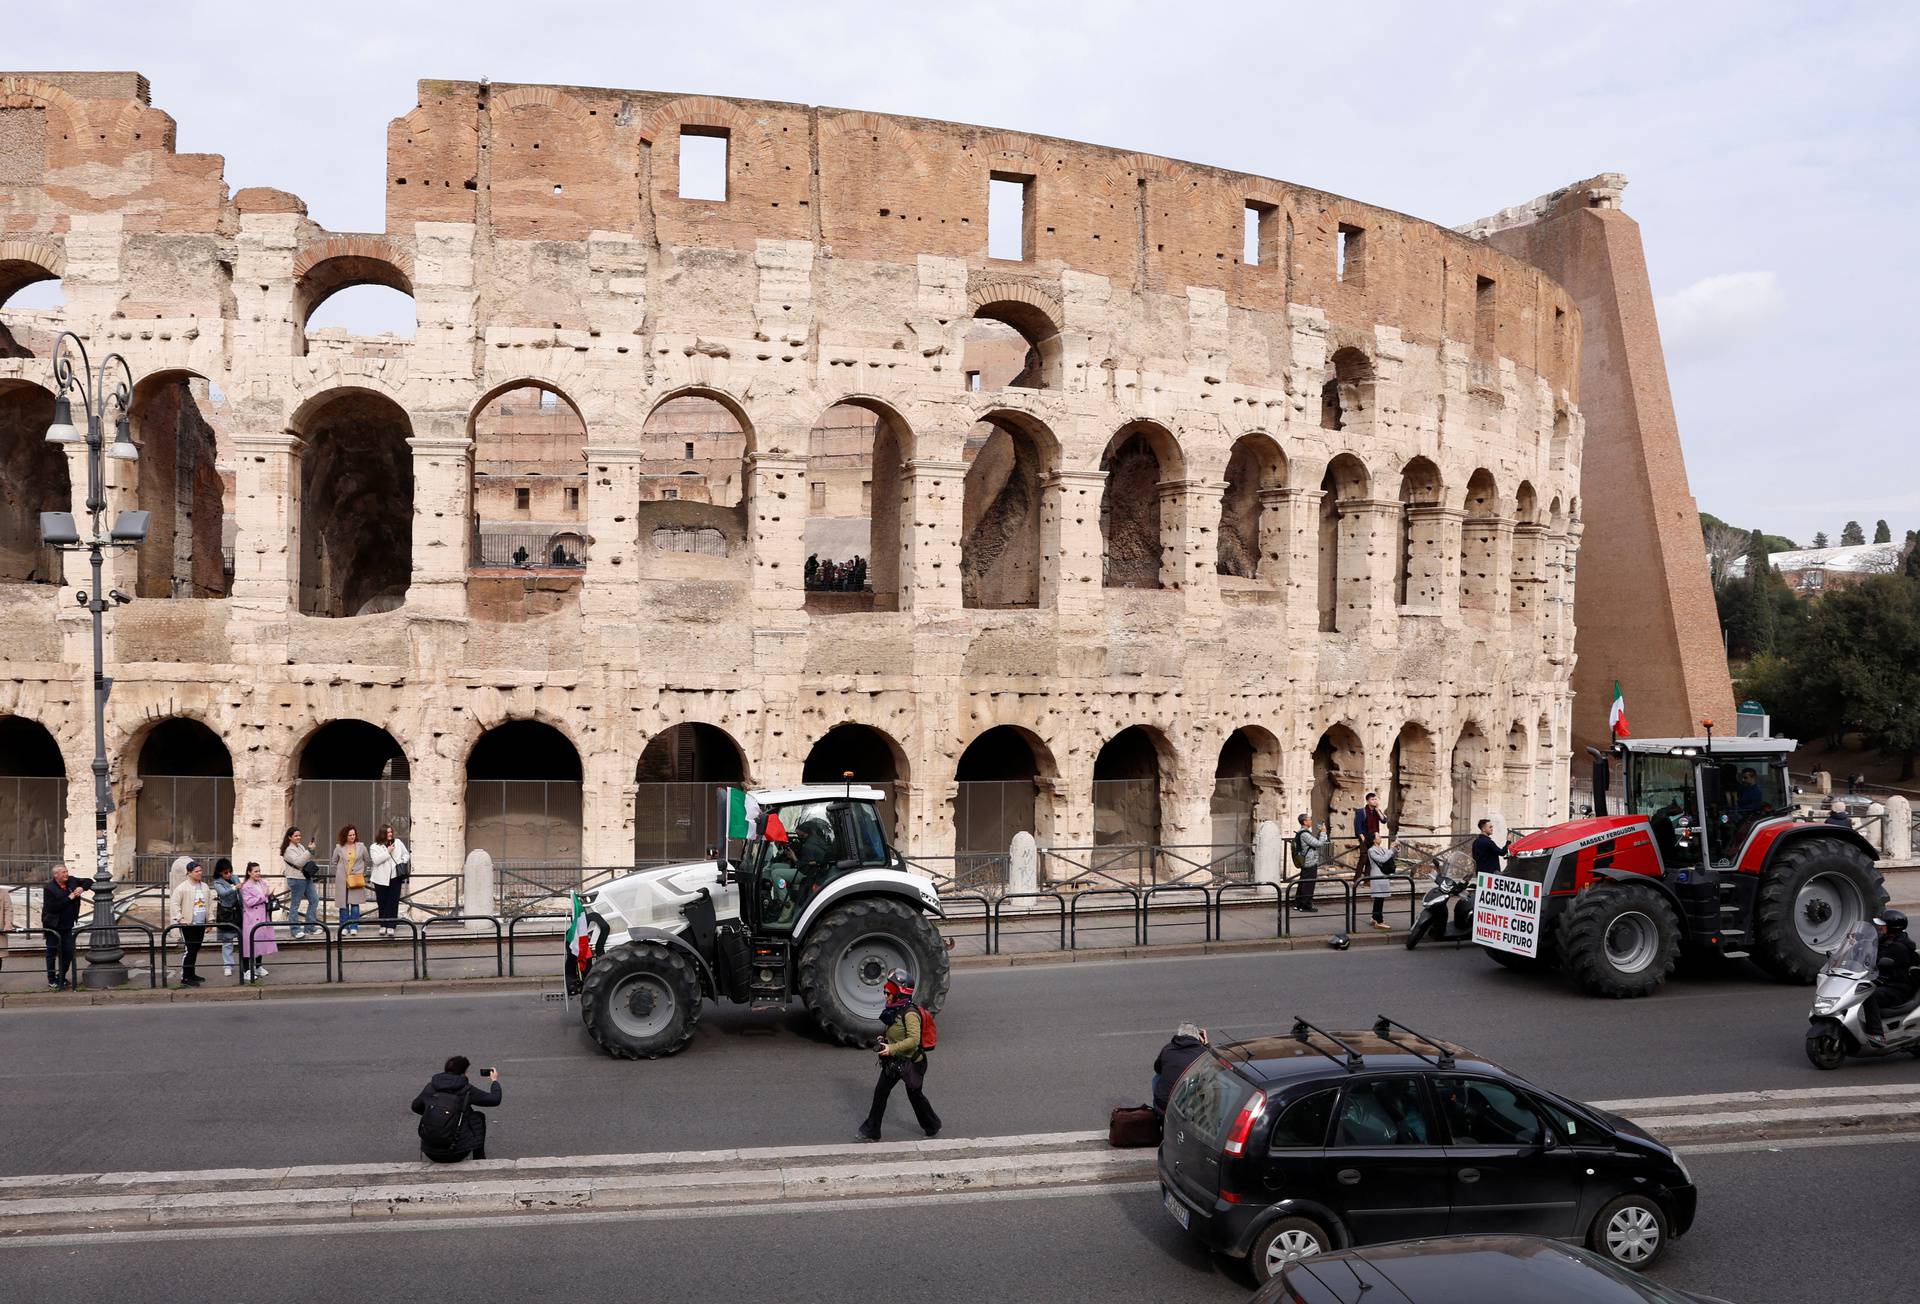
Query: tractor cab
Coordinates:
[804,840]
[1703,798]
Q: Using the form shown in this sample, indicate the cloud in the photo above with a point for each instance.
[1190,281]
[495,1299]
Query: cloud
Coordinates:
[1716,312]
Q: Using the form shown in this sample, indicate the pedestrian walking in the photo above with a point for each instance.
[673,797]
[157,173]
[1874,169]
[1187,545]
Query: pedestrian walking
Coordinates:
[193,902]
[903,1058]
[1367,822]
[1380,865]
[302,874]
[227,911]
[1189,1040]
[1486,851]
[450,1127]
[60,917]
[1310,847]
[389,862]
[350,874]
[256,925]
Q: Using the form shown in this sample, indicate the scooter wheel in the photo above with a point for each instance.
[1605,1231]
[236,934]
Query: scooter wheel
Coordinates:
[1826,1047]
[1418,931]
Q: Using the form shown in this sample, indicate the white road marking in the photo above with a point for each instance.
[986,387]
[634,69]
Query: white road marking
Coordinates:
[1761,1097]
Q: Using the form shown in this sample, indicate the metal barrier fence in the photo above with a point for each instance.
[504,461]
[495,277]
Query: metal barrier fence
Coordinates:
[562,549]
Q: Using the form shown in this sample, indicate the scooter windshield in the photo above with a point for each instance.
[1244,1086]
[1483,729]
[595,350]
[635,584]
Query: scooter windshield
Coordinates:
[1857,954]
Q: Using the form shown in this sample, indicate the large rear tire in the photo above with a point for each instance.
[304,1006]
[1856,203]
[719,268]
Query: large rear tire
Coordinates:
[1620,940]
[1815,890]
[640,1000]
[845,959]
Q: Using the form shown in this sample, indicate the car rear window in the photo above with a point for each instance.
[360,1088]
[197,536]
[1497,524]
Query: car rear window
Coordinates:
[1208,1097]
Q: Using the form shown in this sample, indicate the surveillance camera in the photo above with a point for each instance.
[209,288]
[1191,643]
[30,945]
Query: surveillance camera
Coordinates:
[81,597]
[119,597]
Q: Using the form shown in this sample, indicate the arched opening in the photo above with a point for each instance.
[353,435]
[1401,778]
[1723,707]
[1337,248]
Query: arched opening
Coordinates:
[523,800]
[33,801]
[1421,554]
[356,504]
[1562,441]
[1252,543]
[874,760]
[1529,557]
[1339,779]
[1480,550]
[693,481]
[32,303]
[177,419]
[1546,768]
[356,304]
[1008,460]
[999,791]
[1468,773]
[33,479]
[529,481]
[1343,580]
[1413,798]
[183,798]
[856,464]
[1126,792]
[1246,782]
[1345,396]
[1138,460]
[1011,345]
[351,772]
[1517,788]
[676,814]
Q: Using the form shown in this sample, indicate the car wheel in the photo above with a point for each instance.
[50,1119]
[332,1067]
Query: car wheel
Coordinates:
[1281,1242]
[1631,1231]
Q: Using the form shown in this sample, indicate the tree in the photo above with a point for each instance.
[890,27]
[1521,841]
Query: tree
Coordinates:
[1852,536]
[1724,543]
[1912,569]
[1881,534]
[1820,539]
[1749,609]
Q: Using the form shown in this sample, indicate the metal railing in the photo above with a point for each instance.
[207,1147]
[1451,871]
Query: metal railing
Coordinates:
[562,550]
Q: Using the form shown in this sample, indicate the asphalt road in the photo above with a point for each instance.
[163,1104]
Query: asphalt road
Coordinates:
[1026,1049]
[1775,1227]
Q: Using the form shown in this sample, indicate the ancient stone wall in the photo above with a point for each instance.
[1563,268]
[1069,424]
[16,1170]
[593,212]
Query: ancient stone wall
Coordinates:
[1221,343]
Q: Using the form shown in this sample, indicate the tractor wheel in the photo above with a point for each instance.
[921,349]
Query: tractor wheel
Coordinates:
[641,1000]
[1620,939]
[1812,894]
[846,957]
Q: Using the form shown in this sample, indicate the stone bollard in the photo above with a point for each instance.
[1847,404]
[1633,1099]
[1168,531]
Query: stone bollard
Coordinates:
[1898,843]
[477,888]
[1023,864]
[1823,783]
[1268,842]
[1876,829]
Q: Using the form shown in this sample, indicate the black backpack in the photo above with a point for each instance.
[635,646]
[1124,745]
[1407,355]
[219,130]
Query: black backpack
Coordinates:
[440,1125]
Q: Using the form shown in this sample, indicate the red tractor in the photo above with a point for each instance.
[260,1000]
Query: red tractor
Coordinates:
[1709,861]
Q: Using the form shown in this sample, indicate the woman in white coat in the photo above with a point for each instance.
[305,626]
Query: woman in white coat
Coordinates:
[388,864]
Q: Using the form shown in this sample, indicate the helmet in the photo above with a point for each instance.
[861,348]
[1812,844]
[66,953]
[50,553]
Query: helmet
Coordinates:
[1339,942]
[1895,920]
[899,983]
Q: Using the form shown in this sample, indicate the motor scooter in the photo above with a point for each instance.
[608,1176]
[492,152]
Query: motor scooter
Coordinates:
[1836,1025]
[1433,910]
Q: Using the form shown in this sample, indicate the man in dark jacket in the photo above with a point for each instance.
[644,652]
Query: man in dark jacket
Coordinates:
[1837,816]
[60,916]
[1487,852]
[1893,983]
[450,1129]
[1367,822]
[1189,1040]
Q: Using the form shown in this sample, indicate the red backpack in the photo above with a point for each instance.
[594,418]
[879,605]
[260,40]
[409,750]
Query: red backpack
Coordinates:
[929,1034]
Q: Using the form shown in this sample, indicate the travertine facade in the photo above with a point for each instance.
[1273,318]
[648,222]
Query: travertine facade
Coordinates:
[1305,522]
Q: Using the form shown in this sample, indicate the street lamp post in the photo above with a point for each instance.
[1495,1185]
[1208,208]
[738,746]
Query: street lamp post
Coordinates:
[59,530]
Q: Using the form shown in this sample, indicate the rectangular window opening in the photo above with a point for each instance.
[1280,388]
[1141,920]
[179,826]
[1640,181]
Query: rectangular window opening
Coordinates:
[866,495]
[573,500]
[817,495]
[669,493]
[688,455]
[973,382]
[1260,235]
[523,499]
[1009,217]
[703,163]
[1485,319]
[1349,256]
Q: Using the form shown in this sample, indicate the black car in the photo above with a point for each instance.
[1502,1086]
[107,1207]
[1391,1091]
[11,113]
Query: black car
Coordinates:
[1282,1147]
[1466,1270]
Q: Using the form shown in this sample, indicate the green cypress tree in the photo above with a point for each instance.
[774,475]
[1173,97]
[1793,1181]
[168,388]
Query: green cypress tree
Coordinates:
[1820,539]
[1881,534]
[1852,536]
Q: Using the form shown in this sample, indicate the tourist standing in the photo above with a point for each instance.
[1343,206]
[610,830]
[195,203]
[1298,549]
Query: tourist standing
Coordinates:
[301,872]
[1380,860]
[390,863]
[256,903]
[227,911]
[350,875]
[60,917]
[192,911]
[1367,822]
[1310,847]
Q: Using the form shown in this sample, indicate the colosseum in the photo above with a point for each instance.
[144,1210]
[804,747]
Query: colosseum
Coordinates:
[1121,500]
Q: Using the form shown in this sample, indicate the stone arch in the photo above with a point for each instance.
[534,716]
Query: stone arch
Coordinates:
[1517,783]
[857,519]
[555,170]
[1343,583]
[1480,537]
[1470,776]
[343,262]
[700,110]
[1252,541]
[523,794]
[33,798]
[1414,801]
[1347,392]
[182,794]
[1009,457]
[875,759]
[1140,460]
[24,262]
[1420,559]
[1003,784]
[1015,340]
[676,812]
[1246,788]
[1130,773]
[529,478]
[356,502]
[350,771]
[1339,762]
[177,425]
[34,478]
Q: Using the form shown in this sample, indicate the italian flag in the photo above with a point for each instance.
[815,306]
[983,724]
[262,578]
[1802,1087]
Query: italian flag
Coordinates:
[743,812]
[1617,714]
[579,945]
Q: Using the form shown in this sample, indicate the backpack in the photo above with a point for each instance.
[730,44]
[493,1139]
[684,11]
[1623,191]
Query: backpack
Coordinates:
[440,1124]
[929,1035]
[1299,853]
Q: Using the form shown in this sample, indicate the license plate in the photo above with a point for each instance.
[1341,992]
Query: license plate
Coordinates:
[1177,1210]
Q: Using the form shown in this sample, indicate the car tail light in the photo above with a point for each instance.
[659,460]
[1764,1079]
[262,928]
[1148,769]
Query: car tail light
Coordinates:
[1243,1124]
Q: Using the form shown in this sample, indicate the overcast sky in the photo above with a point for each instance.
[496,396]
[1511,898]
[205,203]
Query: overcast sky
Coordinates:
[1771,147]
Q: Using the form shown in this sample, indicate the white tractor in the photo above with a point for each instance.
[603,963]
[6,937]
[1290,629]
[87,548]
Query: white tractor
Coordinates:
[816,905]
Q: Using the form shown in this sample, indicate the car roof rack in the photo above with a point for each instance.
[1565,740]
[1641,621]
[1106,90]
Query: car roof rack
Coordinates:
[1301,1033]
[1383,1029]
